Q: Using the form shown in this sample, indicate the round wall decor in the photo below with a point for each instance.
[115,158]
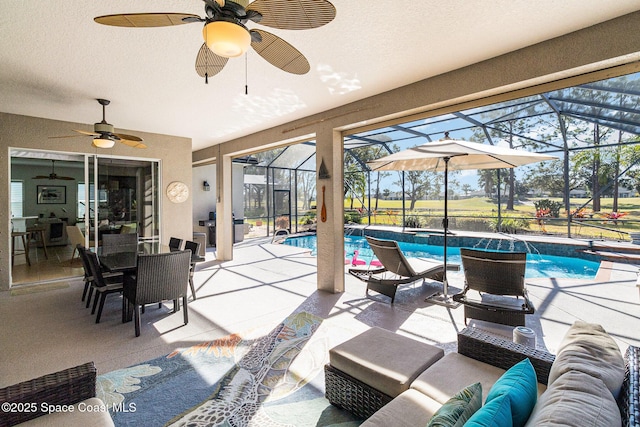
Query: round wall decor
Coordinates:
[177,191]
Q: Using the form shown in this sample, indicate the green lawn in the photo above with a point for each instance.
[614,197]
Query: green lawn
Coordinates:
[478,208]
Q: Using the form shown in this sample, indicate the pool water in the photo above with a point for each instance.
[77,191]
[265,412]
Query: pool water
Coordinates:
[538,265]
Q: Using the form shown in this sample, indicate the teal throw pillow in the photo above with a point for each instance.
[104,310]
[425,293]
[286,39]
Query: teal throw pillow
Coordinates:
[510,400]
[457,410]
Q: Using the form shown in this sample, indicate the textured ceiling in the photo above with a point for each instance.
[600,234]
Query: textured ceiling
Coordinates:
[56,61]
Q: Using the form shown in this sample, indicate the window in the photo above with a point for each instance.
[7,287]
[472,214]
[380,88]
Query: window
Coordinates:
[82,203]
[17,199]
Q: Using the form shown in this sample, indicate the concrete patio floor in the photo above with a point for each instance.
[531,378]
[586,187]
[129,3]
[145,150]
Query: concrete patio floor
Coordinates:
[46,331]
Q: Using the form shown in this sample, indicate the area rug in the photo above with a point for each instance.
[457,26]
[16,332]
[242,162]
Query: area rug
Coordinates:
[257,378]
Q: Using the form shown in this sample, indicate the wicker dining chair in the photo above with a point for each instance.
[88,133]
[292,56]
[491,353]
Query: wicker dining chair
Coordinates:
[194,247]
[101,286]
[110,277]
[175,244]
[159,277]
[112,243]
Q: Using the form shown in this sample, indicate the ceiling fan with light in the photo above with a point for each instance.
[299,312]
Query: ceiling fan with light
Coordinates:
[104,135]
[226,35]
[53,174]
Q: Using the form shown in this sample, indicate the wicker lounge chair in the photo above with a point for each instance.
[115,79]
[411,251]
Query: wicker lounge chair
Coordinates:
[494,288]
[396,268]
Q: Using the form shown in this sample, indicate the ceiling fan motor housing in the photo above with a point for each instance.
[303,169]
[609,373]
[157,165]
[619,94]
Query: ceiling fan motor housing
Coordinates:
[103,127]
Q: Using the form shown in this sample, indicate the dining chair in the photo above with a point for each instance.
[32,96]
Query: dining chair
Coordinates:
[76,237]
[159,277]
[194,247]
[110,277]
[175,243]
[112,243]
[100,284]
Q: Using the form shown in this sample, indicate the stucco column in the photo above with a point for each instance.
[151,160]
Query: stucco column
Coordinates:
[329,149]
[224,208]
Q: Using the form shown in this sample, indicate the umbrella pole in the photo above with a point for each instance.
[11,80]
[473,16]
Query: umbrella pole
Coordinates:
[444,298]
[445,226]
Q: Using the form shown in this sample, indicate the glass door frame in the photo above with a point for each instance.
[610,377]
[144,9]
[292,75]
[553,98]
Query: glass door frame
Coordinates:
[92,173]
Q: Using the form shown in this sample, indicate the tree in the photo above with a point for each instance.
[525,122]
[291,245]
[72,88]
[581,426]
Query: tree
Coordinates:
[547,177]
[466,188]
[417,185]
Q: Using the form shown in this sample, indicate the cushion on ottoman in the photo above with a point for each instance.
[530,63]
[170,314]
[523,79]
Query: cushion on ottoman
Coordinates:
[588,348]
[384,360]
[409,409]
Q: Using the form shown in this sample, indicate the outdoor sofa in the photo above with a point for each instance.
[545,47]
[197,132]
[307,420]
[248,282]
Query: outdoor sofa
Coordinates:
[65,398]
[588,383]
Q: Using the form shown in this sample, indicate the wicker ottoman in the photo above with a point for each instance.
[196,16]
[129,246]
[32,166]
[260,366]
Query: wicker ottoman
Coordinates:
[368,371]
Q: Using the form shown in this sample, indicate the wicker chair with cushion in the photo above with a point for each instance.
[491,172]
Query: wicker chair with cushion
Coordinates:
[195,250]
[67,387]
[110,277]
[159,277]
[396,268]
[101,285]
[494,289]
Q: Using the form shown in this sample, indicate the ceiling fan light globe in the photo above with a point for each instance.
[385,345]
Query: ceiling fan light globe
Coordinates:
[103,143]
[226,39]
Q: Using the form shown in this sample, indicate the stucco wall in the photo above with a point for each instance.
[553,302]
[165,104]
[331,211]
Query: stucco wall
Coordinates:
[173,152]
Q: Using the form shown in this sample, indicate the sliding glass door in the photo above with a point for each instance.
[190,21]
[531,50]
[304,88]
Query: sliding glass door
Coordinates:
[97,194]
[123,196]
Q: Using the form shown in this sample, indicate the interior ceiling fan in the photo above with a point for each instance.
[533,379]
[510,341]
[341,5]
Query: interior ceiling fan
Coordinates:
[53,174]
[226,35]
[104,135]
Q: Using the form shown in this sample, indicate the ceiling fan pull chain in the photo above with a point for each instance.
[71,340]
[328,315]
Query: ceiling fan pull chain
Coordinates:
[206,78]
[246,75]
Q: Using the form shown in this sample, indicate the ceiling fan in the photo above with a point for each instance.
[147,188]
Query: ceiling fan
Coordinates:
[226,36]
[53,174]
[104,135]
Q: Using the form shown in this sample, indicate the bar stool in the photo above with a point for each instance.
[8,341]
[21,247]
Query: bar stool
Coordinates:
[36,233]
[23,235]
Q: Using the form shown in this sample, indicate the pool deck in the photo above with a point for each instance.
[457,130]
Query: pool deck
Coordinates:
[49,330]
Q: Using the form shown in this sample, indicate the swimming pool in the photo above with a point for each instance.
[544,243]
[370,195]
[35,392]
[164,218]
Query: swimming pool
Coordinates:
[538,265]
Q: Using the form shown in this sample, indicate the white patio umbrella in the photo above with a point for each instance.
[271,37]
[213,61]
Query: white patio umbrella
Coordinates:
[449,154]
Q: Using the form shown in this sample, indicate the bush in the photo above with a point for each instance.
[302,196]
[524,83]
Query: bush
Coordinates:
[412,222]
[553,207]
[510,225]
[352,218]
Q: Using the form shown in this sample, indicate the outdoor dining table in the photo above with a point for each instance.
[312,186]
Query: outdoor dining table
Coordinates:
[124,259]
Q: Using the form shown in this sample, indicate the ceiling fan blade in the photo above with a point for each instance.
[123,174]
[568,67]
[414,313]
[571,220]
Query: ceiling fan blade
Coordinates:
[131,138]
[209,64]
[84,132]
[143,20]
[64,136]
[294,14]
[280,54]
[64,178]
[41,177]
